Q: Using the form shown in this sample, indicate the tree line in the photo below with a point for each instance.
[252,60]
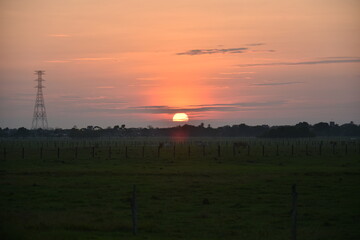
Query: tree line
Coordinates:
[300,130]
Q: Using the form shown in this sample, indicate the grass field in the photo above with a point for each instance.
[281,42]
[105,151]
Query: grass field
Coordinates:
[63,189]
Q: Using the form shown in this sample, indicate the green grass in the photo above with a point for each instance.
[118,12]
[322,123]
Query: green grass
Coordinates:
[249,196]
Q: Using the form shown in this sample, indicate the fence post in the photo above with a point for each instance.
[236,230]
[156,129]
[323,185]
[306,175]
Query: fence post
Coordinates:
[4,153]
[58,153]
[110,152]
[143,151]
[292,149]
[41,153]
[203,150]
[76,152]
[346,149]
[277,150]
[23,153]
[248,150]
[189,151]
[93,152]
[306,150]
[320,148]
[134,211]
[219,152]
[174,151]
[263,150]
[294,212]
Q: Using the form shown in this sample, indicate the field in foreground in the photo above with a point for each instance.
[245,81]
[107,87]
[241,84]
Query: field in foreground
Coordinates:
[85,193]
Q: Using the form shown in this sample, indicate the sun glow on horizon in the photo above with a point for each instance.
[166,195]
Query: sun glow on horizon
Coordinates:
[180,117]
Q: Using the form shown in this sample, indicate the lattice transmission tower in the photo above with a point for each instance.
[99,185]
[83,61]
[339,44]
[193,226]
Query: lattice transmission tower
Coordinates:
[39,117]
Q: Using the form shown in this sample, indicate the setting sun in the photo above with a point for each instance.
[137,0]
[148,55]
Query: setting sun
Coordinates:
[180,117]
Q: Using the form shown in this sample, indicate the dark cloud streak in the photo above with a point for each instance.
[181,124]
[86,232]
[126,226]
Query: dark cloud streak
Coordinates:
[337,60]
[213,51]
[276,83]
[247,49]
[219,107]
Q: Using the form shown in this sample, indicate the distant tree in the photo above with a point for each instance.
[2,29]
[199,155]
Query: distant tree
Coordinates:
[350,129]
[300,130]
[22,132]
[321,128]
[74,132]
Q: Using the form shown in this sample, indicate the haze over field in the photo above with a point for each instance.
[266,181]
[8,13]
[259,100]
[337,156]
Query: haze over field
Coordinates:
[138,62]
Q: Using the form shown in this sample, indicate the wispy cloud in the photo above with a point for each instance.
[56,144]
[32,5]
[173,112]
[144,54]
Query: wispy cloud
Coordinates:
[81,59]
[220,107]
[92,100]
[57,61]
[143,85]
[246,49]
[213,51]
[191,109]
[105,87]
[93,59]
[235,73]
[149,78]
[255,44]
[59,35]
[313,62]
[276,83]
[262,51]
[244,104]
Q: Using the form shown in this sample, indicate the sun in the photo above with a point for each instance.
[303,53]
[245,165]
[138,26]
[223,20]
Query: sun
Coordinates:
[180,117]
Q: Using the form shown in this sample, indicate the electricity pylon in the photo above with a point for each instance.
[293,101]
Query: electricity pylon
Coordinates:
[39,117]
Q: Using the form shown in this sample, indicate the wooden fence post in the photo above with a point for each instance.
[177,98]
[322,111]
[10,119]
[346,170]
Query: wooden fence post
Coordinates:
[76,152]
[110,152]
[134,211]
[248,150]
[58,153]
[292,150]
[219,152]
[23,153]
[263,150]
[294,212]
[174,151]
[346,149]
[41,153]
[4,153]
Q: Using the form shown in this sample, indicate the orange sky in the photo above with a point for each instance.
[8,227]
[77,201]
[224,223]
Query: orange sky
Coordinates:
[137,62]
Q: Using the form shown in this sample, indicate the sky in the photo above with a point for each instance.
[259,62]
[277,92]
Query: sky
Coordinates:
[222,62]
